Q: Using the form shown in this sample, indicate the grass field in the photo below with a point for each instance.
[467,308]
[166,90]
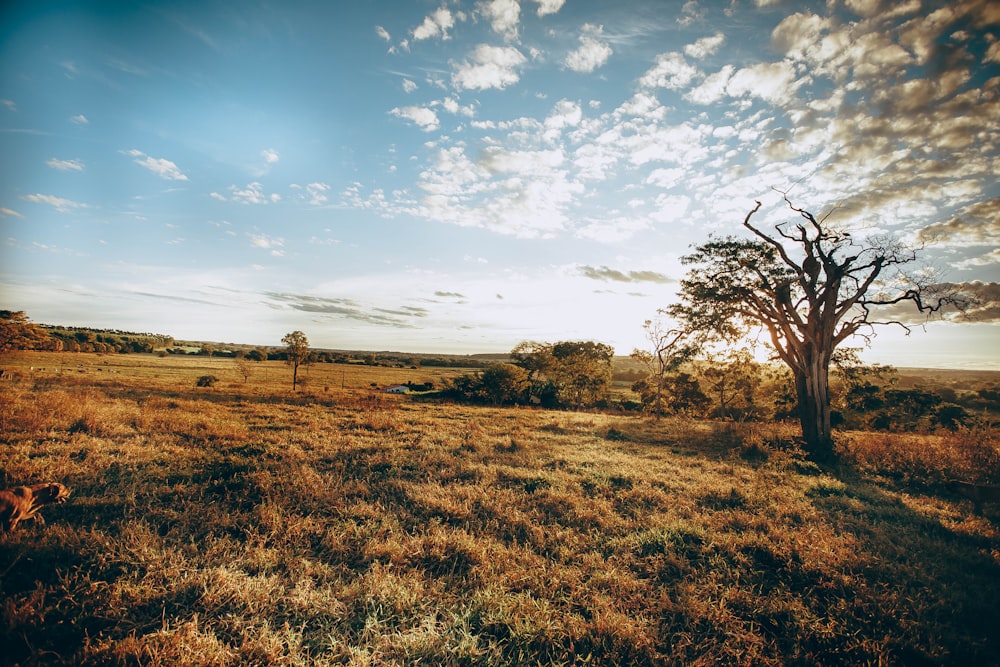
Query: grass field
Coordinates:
[245,524]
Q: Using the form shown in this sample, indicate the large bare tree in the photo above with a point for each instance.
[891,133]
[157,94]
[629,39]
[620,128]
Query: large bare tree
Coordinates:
[810,287]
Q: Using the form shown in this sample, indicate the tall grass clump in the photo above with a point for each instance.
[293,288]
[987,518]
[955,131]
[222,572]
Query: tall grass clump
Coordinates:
[969,454]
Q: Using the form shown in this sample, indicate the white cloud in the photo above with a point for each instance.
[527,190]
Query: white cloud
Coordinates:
[520,193]
[265,242]
[670,208]
[425,118]
[317,193]
[612,230]
[79,119]
[60,204]
[163,168]
[993,53]
[383,33]
[9,104]
[253,193]
[452,106]
[216,196]
[270,155]
[988,259]
[409,86]
[489,67]
[10,213]
[65,165]
[566,114]
[592,53]
[504,16]
[546,7]
[437,24]
[665,178]
[712,89]
[864,8]
[671,71]
[705,46]
[690,13]
[772,82]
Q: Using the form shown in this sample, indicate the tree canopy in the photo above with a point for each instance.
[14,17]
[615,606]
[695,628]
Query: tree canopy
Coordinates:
[297,348]
[18,332]
[809,287]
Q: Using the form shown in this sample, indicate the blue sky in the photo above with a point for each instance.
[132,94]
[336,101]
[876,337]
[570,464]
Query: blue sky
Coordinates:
[460,176]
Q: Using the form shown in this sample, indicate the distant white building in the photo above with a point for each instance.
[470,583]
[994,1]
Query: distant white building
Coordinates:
[397,389]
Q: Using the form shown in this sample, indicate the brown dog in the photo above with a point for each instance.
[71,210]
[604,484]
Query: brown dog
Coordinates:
[977,493]
[24,502]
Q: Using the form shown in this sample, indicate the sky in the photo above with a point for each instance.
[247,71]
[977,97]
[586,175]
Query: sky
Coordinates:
[458,176]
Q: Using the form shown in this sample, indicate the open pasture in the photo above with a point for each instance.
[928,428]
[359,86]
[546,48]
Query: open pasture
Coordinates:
[244,524]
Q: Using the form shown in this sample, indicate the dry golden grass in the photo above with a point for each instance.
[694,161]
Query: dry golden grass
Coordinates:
[244,524]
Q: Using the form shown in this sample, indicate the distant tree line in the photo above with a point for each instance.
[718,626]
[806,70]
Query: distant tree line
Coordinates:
[18,332]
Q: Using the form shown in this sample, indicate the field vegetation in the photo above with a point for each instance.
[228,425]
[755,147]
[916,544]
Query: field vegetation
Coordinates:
[243,523]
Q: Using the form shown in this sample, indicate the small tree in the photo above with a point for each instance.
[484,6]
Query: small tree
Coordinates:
[579,372]
[245,368]
[504,383]
[733,378]
[670,349]
[810,288]
[297,349]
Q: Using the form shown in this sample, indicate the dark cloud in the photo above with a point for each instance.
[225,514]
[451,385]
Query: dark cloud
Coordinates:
[346,308]
[183,299]
[607,274]
[978,224]
[449,295]
[984,299]
[406,311]
[982,305]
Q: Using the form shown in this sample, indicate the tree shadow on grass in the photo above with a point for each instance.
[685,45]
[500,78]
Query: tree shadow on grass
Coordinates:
[938,567]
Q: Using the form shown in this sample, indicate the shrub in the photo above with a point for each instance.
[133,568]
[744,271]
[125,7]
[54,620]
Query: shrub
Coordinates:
[207,381]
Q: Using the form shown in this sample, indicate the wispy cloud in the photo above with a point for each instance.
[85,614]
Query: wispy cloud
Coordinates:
[253,193]
[65,165]
[59,203]
[345,308]
[264,242]
[162,167]
[317,193]
[977,224]
[10,213]
[79,119]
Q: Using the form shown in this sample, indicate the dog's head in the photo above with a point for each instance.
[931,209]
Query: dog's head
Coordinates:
[54,493]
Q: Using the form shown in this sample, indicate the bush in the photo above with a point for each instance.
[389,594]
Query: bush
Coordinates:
[207,381]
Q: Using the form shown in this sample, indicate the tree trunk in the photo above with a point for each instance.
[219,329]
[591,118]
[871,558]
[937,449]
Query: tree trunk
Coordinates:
[295,375]
[813,391]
